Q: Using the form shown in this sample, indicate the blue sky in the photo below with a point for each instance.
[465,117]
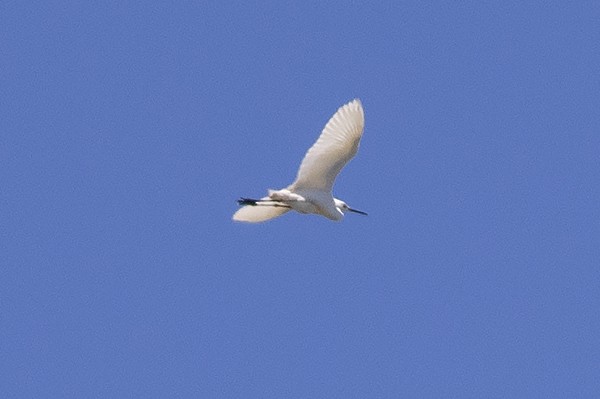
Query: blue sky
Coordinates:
[129,129]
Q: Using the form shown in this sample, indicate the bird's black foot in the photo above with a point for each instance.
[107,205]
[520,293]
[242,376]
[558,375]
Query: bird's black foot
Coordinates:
[247,201]
[266,202]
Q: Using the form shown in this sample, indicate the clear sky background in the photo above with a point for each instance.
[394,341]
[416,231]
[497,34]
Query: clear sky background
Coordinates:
[129,129]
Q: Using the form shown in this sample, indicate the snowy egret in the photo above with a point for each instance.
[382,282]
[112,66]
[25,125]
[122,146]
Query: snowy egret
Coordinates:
[311,192]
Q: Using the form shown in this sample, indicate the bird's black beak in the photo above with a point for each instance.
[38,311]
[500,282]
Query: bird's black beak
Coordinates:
[357,211]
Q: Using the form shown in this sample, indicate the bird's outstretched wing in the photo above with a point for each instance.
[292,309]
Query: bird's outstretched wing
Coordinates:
[336,146]
[259,213]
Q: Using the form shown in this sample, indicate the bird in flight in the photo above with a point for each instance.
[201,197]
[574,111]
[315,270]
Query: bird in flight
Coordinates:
[311,191]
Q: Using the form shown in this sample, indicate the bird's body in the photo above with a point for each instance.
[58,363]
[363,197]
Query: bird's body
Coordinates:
[311,191]
[308,201]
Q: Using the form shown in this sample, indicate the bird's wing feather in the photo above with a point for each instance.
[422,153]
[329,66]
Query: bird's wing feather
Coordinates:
[336,146]
[259,213]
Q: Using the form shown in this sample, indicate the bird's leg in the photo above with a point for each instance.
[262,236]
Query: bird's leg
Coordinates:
[256,202]
[247,201]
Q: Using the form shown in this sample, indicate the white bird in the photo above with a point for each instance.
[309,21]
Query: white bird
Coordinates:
[311,192]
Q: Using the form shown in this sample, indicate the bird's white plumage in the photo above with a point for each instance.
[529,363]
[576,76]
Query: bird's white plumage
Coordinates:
[311,191]
[337,144]
[259,213]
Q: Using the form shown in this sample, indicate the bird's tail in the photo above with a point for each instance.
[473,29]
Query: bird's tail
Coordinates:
[255,211]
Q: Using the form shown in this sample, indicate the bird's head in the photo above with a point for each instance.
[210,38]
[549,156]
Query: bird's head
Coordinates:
[343,207]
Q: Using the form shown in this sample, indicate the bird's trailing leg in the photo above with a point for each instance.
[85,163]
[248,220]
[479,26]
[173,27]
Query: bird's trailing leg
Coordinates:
[260,202]
[247,201]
